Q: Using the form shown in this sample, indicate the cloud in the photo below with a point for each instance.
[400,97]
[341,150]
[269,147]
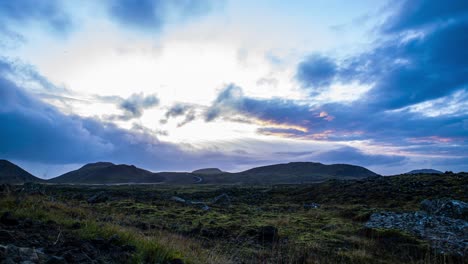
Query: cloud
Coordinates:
[352,155]
[36,132]
[416,14]
[187,111]
[231,101]
[49,13]
[316,71]
[406,67]
[132,107]
[154,14]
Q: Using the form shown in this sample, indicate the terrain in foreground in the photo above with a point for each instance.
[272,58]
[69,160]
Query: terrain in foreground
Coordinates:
[336,221]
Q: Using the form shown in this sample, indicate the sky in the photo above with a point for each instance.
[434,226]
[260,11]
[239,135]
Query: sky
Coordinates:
[178,85]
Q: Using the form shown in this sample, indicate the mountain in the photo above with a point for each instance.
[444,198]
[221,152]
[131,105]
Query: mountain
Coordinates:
[208,171]
[108,173]
[13,174]
[425,171]
[293,172]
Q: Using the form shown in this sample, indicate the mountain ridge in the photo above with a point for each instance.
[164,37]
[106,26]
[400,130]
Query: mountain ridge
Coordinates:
[13,174]
[282,173]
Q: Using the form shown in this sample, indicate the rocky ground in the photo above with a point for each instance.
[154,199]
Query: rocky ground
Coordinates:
[33,241]
[401,219]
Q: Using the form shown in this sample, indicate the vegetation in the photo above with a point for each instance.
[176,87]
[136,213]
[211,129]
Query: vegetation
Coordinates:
[318,223]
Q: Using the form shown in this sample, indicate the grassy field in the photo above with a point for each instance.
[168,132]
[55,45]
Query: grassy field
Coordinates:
[249,224]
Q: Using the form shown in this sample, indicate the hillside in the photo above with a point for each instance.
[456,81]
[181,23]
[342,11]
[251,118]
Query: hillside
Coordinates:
[293,172]
[13,174]
[208,171]
[424,171]
[108,173]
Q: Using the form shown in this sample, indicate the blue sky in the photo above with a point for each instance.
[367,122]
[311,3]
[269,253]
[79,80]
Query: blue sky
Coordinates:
[181,85]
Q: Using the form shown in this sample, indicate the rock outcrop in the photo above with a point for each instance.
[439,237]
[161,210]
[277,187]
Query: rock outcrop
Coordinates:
[441,222]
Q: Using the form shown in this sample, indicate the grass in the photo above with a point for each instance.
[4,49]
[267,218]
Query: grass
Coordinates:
[163,230]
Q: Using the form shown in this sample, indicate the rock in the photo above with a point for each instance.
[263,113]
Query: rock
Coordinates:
[19,254]
[268,233]
[177,199]
[446,235]
[8,219]
[222,199]
[201,205]
[311,206]
[100,197]
[446,207]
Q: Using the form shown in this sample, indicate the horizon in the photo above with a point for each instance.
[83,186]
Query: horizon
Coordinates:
[238,171]
[184,85]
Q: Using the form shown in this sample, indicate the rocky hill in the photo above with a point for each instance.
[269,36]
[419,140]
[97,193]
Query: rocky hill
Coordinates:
[424,171]
[13,174]
[108,173]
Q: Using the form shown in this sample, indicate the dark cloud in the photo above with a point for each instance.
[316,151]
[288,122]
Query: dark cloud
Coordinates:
[136,103]
[231,101]
[352,155]
[132,107]
[406,67]
[187,111]
[153,14]
[316,71]
[48,12]
[415,14]
[339,122]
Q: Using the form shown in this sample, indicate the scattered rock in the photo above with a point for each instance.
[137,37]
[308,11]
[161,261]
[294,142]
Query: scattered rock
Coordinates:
[100,197]
[8,219]
[446,207]
[311,206]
